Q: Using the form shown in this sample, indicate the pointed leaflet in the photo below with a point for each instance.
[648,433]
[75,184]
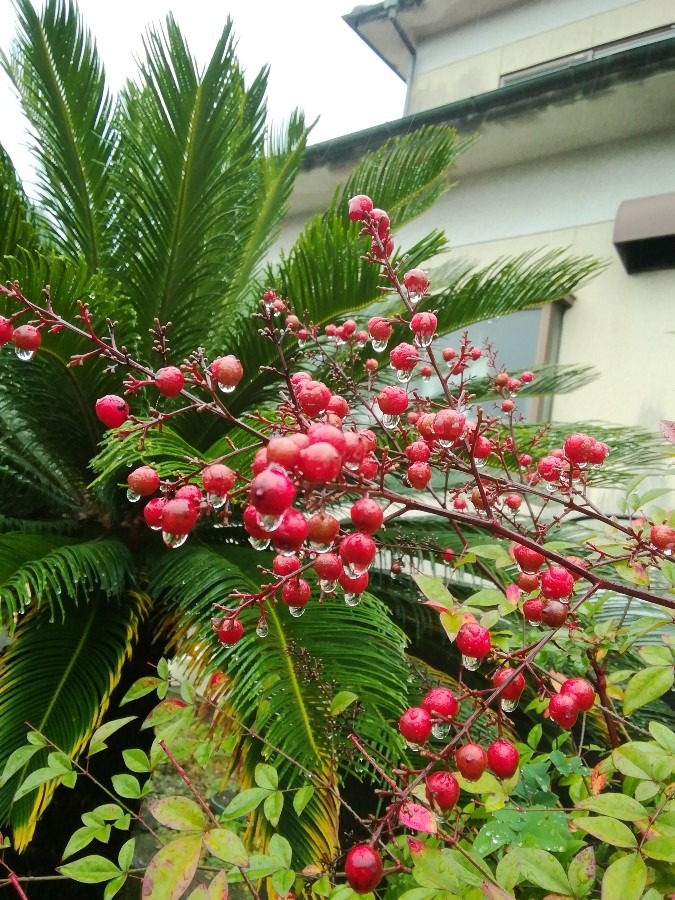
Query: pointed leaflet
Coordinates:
[172,869]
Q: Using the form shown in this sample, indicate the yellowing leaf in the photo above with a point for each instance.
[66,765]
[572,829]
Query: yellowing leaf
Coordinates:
[179,813]
[172,869]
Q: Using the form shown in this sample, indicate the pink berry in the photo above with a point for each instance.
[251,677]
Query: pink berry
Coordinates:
[338,405]
[218,479]
[371,365]
[563,709]
[513,501]
[582,692]
[404,357]
[356,447]
[313,397]
[179,516]
[527,377]
[227,371]
[113,411]
[323,528]
[423,325]
[328,566]
[578,448]
[419,475]
[291,533]
[357,552]
[442,790]
[260,461]
[369,468]
[473,640]
[471,761]
[550,468]
[295,592]
[514,689]
[599,453]
[441,701]
[379,329]
[152,512]
[169,381]
[449,424]
[366,515]
[230,631]
[363,869]
[26,337]
[556,583]
[320,463]
[254,525]
[418,451]
[271,492]
[528,560]
[349,327]
[285,565]
[380,219]
[351,585]
[508,405]
[6,331]
[392,400]
[359,206]
[143,481]
[415,725]
[416,281]
[482,447]
[663,538]
[503,759]
[321,433]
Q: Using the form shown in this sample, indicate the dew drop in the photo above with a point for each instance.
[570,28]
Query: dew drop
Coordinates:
[480,463]
[414,298]
[259,543]
[426,379]
[509,705]
[24,355]
[362,342]
[326,585]
[534,624]
[226,388]
[352,599]
[389,421]
[318,547]
[174,540]
[404,375]
[132,496]
[440,730]
[155,527]
[302,342]
[470,662]
[262,628]
[411,746]
[270,523]
[353,570]
[378,346]
[217,501]
[423,340]
[296,611]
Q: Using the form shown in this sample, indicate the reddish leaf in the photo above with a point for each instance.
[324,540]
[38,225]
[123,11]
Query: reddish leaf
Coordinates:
[668,430]
[598,780]
[415,846]
[172,869]
[512,593]
[415,816]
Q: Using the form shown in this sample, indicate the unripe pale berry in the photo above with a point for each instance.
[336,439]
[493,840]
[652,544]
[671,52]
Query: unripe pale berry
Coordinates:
[415,725]
[112,410]
[527,582]
[169,381]
[271,492]
[556,583]
[366,515]
[582,692]
[143,481]
[442,790]
[441,701]
[363,869]
[563,709]
[179,516]
[503,758]
[230,631]
[471,761]
[358,207]
[473,640]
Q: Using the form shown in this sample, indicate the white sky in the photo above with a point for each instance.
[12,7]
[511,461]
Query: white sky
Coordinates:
[317,62]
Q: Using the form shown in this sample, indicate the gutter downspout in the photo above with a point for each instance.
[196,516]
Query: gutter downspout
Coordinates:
[392,7]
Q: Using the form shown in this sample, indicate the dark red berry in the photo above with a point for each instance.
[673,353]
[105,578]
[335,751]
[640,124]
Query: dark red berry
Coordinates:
[471,761]
[169,381]
[366,515]
[563,709]
[179,516]
[529,560]
[515,687]
[230,631]
[295,592]
[442,790]
[113,411]
[441,701]
[271,492]
[503,759]
[582,692]
[554,613]
[415,725]
[363,868]
[473,640]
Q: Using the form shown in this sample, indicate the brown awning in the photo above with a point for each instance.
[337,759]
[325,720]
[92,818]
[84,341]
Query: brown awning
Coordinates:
[644,233]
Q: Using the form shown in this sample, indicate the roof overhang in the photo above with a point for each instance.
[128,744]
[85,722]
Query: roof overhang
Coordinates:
[644,233]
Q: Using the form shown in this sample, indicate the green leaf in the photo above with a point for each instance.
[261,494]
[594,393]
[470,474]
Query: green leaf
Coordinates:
[282,882]
[90,870]
[172,869]
[646,686]
[536,866]
[435,591]
[79,839]
[619,806]
[113,887]
[140,688]
[126,855]
[266,777]
[661,848]
[280,849]
[663,736]
[103,732]
[341,701]
[581,872]
[136,760]
[36,778]
[17,760]
[486,597]
[179,813]
[625,878]
[226,845]
[644,760]
[656,655]
[302,797]
[272,807]
[126,786]
[610,831]
[244,802]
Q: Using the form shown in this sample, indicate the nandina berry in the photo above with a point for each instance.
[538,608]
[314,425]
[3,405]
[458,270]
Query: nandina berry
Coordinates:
[415,725]
[113,411]
[448,554]
[554,613]
[283,451]
[349,327]
[514,689]
[338,405]
[418,451]
[292,322]
[320,463]
[169,381]
[473,640]
[6,331]
[392,400]
[527,377]
[218,479]
[291,533]
[441,701]
[321,433]
[423,325]
[356,447]
[363,869]
[475,353]
[663,538]
[528,560]
[358,206]
[524,460]
[152,512]
[328,566]
[514,385]
[351,585]
[581,690]
[448,354]
[323,529]
[442,790]
[513,501]
[404,357]
[419,475]
[254,525]
[179,516]
[416,281]
[230,631]
[285,565]
[482,447]
[577,561]
[271,492]
[191,493]
[532,609]
[371,365]
[357,552]
[27,337]
[550,468]
[260,461]
[578,448]
[295,592]
[426,372]
[380,219]
[379,329]
[313,397]
[599,453]
[563,709]
[459,503]
[297,377]
[425,426]
[528,583]
[471,761]
[449,424]
[143,481]
[501,379]
[366,515]
[556,583]
[508,405]
[227,371]
[503,759]
[369,467]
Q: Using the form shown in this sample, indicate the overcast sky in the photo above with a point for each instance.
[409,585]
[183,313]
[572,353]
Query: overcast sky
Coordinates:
[317,61]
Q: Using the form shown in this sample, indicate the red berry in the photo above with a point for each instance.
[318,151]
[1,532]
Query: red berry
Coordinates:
[271,492]
[260,461]
[528,583]
[448,554]
[508,406]
[338,405]
[663,537]
[321,433]
[230,631]
[503,759]
[578,448]
[577,561]
[283,451]
[419,475]
[357,552]
[381,220]
[379,329]
[532,610]
[179,516]
[191,493]
[169,381]
[418,451]
[448,354]
[449,424]
[514,689]
[295,592]
[253,524]
[554,613]
[527,377]
[143,481]
[404,357]
[423,325]
[356,447]
[582,692]
[328,566]
[599,453]
[563,709]
[26,337]
[392,400]
[459,503]
[416,281]
[475,353]
[218,479]
[113,411]
[363,868]
[227,371]
[313,397]
[6,331]
[358,207]
[320,463]
[291,533]
[529,561]
[415,725]
[152,512]
[285,565]
[471,761]
[323,529]
[513,501]
[473,640]
[556,583]
[482,448]
[371,365]
[442,790]
[441,701]
[353,585]
[550,468]
[369,468]
[366,515]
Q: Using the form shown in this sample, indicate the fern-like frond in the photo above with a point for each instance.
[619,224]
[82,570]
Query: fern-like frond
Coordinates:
[59,76]
[58,677]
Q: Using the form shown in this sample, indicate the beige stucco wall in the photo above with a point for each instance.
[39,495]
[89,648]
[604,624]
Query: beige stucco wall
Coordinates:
[437,82]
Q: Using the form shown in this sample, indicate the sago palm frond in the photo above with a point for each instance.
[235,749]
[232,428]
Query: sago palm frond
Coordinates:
[60,79]
[57,677]
[282,685]
[16,226]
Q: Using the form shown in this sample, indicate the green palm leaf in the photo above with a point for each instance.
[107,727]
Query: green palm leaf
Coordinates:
[58,677]
[16,226]
[281,687]
[59,76]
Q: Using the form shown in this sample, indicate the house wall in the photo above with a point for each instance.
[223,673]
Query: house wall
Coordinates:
[470,60]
